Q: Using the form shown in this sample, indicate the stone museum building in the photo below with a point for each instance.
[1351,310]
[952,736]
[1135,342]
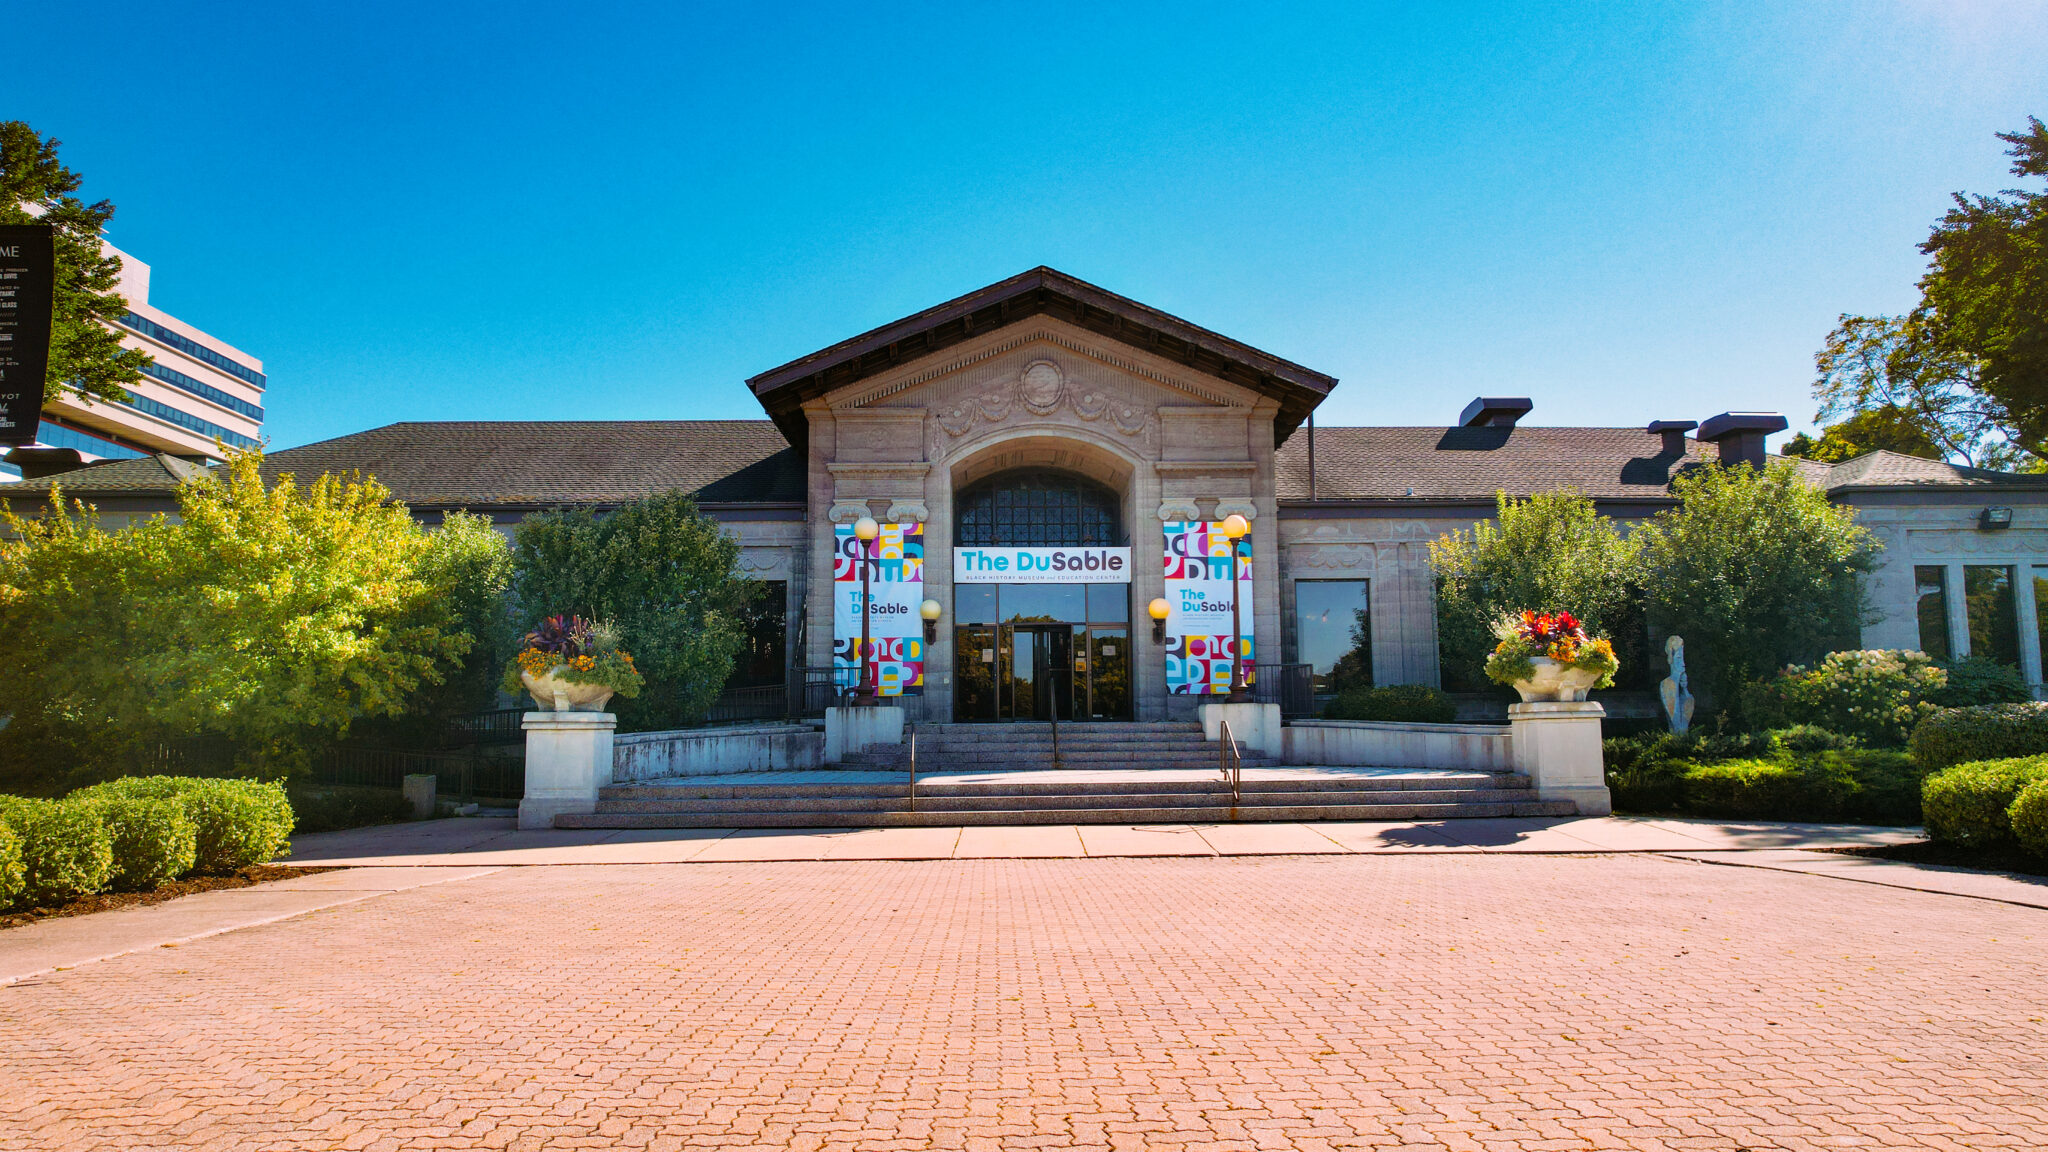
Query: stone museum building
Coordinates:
[1045,462]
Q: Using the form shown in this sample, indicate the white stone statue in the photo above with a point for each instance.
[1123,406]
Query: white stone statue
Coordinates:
[1677,696]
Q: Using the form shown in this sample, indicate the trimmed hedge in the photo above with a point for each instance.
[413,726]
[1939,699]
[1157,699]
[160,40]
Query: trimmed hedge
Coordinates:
[65,853]
[12,879]
[1792,774]
[1977,680]
[1986,732]
[237,823]
[152,838]
[1394,703]
[330,809]
[2029,816]
[1970,804]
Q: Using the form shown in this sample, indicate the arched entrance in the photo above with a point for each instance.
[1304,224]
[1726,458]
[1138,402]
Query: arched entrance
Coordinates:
[1041,599]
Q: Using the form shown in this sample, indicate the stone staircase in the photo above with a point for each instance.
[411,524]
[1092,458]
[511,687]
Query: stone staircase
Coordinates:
[1005,774]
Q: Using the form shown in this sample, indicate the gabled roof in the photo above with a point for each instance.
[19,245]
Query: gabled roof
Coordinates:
[782,391]
[158,473]
[474,464]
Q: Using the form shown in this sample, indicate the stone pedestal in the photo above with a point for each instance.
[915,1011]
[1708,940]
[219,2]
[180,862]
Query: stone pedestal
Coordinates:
[568,758]
[418,791]
[851,730]
[1557,744]
[1256,727]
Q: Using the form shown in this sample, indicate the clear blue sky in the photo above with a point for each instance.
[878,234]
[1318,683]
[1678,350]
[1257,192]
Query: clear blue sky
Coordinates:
[511,210]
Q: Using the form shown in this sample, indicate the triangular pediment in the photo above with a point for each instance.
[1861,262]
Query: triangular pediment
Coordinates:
[1040,292]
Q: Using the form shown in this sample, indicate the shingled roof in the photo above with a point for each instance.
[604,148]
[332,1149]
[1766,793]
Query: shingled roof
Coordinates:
[477,463]
[537,464]
[1475,463]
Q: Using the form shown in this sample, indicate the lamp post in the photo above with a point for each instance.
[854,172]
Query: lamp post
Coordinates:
[1235,526]
[865,530]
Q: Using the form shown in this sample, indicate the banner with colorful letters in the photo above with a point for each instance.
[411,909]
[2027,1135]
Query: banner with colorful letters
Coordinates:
[895,628]
[1199,593]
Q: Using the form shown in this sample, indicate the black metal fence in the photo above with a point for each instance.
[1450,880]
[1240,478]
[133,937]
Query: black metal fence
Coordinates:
[500,726]
[738,705]
[1291,686]
[464,776]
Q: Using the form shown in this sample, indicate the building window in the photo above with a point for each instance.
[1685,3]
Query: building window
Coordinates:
[201,389]
[762,662]
[1037,508]
[182,419]
[1931,602]
[1333,632]
[192,348]
[1994,616]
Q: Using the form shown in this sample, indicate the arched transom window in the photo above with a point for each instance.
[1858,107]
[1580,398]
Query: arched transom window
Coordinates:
[1036,507]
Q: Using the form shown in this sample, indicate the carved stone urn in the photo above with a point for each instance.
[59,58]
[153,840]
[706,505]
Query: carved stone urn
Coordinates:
[1555,681]
[555,694]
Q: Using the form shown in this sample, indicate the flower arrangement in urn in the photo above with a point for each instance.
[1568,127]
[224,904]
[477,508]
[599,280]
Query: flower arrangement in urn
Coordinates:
[570,664]
[1548,656]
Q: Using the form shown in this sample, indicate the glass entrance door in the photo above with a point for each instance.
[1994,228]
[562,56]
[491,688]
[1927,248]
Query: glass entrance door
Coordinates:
[1039,672]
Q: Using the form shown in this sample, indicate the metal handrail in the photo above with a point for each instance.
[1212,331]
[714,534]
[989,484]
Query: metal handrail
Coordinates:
[913,766]
[1231,761]
[1055,714]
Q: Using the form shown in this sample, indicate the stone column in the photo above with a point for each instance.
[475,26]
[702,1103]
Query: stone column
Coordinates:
[568,758]
[1557,745]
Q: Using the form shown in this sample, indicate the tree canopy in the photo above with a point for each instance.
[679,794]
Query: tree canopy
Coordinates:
[86,355]
[665,574]
[272,616]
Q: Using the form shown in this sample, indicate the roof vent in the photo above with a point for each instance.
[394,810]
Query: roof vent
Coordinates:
[1740,435]
[1494,412]
[1673,432]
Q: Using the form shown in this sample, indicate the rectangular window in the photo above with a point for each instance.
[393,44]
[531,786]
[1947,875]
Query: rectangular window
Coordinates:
[2041,607]
[1048,603]
[1994,615]
[1109,602]
[974,604]
[1930,600]
[1333,632]
[761,663]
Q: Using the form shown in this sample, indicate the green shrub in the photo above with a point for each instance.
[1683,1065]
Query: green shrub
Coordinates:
[1978,680]
[152,839]
[64,848]
[1987,732]
[1969,804]
[1889,787]
[12,879]
[237,822]
[1801,739]
[1876,696]
[2029,816]
[1409,703]
[333,809]
[1757,789]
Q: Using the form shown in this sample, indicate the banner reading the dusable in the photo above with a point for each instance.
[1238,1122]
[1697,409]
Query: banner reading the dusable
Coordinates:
[1199,593]
[895,629]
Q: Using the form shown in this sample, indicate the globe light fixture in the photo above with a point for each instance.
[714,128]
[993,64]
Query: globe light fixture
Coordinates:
[1159,610]
[865,530]
[931,610]
[1235,526]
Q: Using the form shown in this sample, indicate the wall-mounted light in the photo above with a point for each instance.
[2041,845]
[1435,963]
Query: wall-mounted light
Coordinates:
[1158,609]
[1995,518]
[930,610]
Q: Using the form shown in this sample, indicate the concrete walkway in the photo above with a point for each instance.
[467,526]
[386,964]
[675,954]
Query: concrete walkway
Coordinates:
[68,941]
[496,842]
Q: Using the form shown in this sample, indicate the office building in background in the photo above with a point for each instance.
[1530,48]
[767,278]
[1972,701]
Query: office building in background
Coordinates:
[201,393]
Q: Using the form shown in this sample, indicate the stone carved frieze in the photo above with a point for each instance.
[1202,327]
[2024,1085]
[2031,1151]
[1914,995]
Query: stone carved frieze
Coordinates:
[1041,389]
[1967,542]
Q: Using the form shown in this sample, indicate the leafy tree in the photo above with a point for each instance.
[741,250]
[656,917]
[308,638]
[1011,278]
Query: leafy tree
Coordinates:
[1887,427]
[1756,570]
[1900,391]
[1984,300]
[86,355]
[1553,551]
[271,616]
[662,572]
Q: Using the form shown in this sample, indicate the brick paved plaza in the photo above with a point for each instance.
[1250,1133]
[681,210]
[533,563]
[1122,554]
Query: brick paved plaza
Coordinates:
[1535,1002]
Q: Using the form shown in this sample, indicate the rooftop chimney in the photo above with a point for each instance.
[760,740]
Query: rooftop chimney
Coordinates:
[1494,412]
[1673,432]
[1740,435]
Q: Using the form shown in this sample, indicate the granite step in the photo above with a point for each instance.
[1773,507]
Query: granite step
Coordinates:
[926,817]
